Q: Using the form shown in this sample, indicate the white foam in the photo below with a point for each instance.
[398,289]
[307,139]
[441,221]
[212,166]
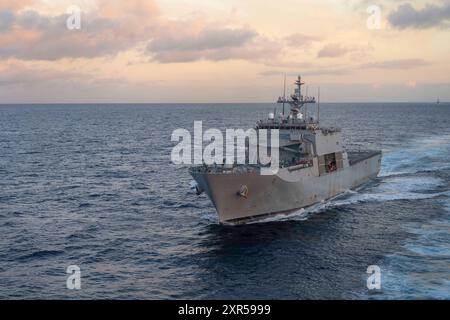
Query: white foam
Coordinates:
[303,214]
[299,215]
[399,188]
[416,157]
[389,189]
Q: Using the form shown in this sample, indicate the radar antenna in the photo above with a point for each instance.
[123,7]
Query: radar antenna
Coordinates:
[318,104]
[296,100]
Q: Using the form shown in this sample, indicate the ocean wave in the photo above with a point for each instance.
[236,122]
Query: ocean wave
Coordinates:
[40,254]
[423,155]
[434,249]
[389,189]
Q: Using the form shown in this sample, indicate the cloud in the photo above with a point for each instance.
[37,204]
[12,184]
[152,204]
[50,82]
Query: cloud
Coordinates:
[116,26]
[406,16]
[317,72]
[396,64]
[411,84]
[21,73]
[16,73]
[298,40]
[14,5]
[47,38]
[206,39]
[256,50]
[193,40]
[332,51]
[130,10]
[6,20]
[277,63]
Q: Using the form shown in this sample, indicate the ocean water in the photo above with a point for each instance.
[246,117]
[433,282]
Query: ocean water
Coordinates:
[93,186]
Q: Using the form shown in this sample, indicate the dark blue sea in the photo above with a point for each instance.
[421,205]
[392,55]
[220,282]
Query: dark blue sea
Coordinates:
[93,186]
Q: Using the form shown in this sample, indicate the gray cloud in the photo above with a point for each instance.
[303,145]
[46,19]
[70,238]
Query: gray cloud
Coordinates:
[332,51]
[184,42]
[390,64]
[6,20]
[30,20]
[300,40]
[406,16]
[206,39]
[211,43]
[318,72]
[396,64]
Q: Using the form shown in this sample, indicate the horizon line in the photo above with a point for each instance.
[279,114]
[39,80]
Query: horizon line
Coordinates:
[171,103]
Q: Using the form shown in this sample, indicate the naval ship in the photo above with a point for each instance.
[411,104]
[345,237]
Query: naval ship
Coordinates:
[313,166]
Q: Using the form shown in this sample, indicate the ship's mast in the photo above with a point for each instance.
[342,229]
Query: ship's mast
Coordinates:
[299,84]
[297,100]
[318,105]
[284,92]
[306,106]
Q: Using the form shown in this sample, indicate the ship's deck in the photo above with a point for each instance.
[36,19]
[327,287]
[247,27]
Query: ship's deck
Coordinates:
[358,156]
[353,158]
[294,126]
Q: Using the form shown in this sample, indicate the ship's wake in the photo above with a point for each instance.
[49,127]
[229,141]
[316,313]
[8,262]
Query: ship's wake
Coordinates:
[420,267]
[423,155]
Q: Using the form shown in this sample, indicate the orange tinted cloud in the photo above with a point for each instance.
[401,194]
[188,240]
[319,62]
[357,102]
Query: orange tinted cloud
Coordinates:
[118,9]
[25,37]
[15,5]
[118,26]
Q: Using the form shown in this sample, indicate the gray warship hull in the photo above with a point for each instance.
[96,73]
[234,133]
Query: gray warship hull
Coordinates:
[312,166]
[289,190]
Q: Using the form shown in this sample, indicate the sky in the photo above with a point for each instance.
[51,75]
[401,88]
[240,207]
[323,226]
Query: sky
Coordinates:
[196,51]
